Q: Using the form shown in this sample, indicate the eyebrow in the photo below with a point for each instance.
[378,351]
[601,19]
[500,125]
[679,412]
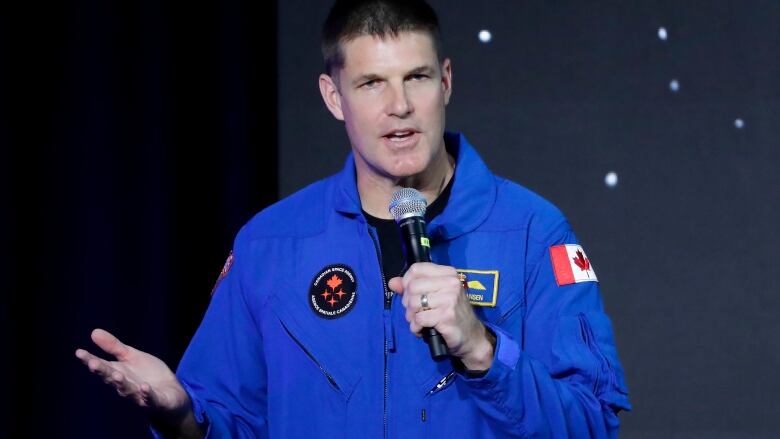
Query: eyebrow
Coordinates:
[428,70]
[365,78]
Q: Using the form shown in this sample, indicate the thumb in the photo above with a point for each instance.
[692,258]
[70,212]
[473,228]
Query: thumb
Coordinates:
[396,284]
[106,341]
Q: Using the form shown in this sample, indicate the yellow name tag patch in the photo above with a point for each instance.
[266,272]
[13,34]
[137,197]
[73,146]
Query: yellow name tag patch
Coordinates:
[481,286]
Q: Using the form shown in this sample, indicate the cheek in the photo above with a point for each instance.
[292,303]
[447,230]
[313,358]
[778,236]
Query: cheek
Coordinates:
[431,110]
[356,122]
[361,119]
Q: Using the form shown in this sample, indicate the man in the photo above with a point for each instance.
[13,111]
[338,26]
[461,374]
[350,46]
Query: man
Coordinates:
[306,337]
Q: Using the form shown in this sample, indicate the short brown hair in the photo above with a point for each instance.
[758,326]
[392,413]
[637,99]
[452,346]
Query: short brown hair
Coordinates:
[349,19]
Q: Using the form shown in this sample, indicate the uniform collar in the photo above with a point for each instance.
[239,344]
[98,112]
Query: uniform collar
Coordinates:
[472,198]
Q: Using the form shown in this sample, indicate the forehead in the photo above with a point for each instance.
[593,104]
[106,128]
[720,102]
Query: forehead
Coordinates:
[369,54]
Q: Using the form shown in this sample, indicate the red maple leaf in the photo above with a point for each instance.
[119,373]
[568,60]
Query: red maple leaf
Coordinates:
[581,261]
[333,282]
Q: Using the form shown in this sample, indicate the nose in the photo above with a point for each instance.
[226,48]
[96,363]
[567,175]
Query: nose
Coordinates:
[399,104]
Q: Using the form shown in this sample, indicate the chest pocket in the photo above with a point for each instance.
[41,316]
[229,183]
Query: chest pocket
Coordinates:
[493,298]
[490,264]
[306,378]
[326,359]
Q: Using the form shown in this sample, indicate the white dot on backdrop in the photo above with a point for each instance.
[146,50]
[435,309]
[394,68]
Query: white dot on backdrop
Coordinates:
[611,179]
[739,123]
[485,36]
[674,85]
[662,33]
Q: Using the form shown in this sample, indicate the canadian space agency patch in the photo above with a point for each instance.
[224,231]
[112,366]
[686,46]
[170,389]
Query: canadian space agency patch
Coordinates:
[333,291]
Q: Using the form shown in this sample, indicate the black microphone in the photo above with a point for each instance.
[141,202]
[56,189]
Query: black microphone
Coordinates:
[408,208]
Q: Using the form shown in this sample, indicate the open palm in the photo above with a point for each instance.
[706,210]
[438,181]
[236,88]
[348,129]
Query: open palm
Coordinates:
[142,377]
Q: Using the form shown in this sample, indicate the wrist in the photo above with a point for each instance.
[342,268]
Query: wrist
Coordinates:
[480,356]
[180,423]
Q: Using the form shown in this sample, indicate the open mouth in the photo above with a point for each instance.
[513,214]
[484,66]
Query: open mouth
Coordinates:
[400,136]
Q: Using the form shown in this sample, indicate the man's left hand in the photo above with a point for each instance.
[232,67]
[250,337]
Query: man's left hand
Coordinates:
[448,311]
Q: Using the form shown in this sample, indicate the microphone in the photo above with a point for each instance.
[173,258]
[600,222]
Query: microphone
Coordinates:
[408,208]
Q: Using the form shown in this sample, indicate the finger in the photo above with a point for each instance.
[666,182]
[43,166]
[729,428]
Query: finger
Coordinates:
[416,288]
[98,366]
[144,397]
[426,319]
[417,328]
[396,285]
[434,287]
[81,354]
[412,309]
[433,282]
[123,385]
[118,381]
[413,303]
[423,285]
[110,344]
[427,269]
[84,356]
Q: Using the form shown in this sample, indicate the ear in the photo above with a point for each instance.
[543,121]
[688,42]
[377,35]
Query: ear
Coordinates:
[446,79]
[331,96]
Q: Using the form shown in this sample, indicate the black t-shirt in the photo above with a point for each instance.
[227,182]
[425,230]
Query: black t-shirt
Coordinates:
[389,236]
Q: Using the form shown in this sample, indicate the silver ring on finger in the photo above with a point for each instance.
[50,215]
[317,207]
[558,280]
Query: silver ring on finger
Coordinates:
[424,302]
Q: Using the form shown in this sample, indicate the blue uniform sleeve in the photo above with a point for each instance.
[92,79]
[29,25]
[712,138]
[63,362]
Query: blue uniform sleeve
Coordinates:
[555,371]
[223,369]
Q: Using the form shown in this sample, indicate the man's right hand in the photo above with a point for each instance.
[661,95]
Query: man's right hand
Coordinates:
[143,378]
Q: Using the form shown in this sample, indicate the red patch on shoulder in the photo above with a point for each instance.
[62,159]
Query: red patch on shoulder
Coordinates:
[224,272]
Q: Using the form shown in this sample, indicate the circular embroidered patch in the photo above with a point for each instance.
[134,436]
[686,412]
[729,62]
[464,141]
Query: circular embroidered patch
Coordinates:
[333,291]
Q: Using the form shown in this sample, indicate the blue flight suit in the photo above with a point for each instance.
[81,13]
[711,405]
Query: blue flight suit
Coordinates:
[264,363]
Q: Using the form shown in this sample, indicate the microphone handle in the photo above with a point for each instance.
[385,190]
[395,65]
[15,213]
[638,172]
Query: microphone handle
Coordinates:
[418,249]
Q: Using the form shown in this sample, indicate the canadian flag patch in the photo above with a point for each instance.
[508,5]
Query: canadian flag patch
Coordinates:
[571,265]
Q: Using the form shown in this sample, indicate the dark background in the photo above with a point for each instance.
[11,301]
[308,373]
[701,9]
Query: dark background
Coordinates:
[138,136]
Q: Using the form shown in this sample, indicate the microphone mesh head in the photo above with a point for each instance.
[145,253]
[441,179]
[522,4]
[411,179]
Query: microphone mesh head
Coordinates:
[407,202]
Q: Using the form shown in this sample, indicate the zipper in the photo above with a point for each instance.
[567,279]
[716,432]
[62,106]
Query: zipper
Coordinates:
[388,293]
[447,379]
[308,354]
[387,308]
[506,314]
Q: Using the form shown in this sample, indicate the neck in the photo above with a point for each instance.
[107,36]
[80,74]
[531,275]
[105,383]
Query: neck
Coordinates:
[376,191]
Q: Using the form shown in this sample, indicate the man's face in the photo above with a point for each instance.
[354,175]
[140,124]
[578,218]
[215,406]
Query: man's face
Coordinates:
[391,95]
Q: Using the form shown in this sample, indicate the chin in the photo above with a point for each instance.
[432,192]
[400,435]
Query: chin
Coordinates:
[405,170]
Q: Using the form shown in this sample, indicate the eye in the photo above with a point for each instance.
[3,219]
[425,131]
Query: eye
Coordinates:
[418,77]
[370,83]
